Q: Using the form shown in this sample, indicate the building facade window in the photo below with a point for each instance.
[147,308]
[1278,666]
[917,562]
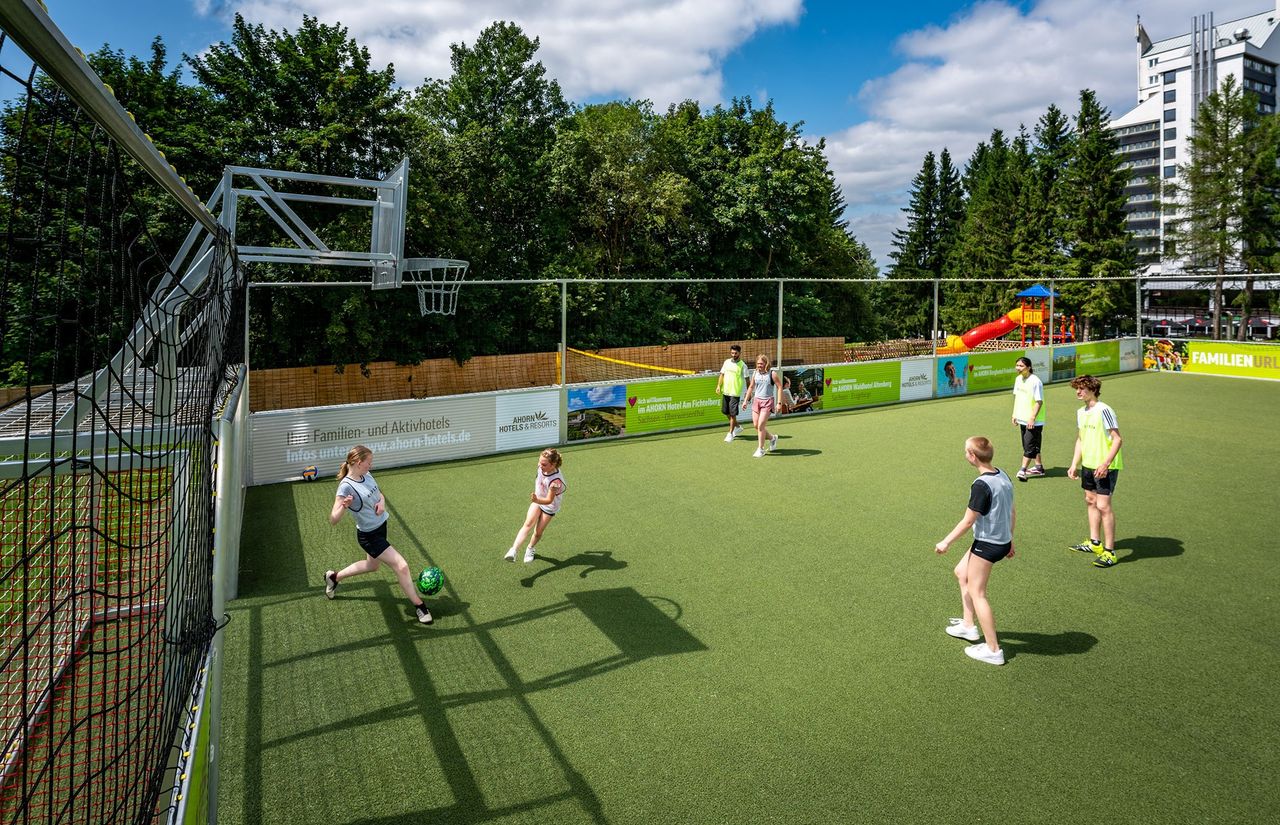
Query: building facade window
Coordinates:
[1170,153]
[1169,77]
[1170,115]
[1170,171]
[1170,95]
[1171,133]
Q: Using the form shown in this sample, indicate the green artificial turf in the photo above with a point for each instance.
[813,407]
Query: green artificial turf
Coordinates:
[710,638]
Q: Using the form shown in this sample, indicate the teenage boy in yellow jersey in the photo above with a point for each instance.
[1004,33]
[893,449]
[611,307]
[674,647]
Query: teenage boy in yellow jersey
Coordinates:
[1098,455]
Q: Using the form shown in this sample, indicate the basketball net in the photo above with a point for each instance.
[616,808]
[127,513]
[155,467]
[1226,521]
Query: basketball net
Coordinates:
[438,281]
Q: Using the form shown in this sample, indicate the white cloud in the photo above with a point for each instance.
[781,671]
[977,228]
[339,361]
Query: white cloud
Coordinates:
[662,50]
[991,66]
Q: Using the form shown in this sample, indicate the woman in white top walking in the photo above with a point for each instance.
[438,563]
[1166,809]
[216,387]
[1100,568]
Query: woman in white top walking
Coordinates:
[765,387]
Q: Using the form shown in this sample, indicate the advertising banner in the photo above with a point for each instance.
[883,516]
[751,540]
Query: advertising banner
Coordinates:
[597,412]
[1242,360]
[527,420]
[915,380]
[860,385]
[1098,358]
[1064,364]
[952,375]
[992,370]
[672,404]
[399,433]
[1039,362]
[1130,354]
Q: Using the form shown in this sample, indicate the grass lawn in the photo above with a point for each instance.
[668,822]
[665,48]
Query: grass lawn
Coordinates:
[710,638]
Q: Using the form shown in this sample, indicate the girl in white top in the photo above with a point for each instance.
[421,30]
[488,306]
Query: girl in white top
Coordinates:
[764,386]
[358,494]
[548,488]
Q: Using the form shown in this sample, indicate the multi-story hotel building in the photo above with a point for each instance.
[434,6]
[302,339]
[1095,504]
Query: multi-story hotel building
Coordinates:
[1174,76]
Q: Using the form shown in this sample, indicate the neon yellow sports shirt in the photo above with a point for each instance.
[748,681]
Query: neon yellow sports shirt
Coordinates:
[1025,391]
[1095,425]
[735,376]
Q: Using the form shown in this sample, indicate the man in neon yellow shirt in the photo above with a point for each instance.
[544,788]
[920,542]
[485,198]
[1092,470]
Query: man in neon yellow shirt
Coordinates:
[729,386]
[1098,455]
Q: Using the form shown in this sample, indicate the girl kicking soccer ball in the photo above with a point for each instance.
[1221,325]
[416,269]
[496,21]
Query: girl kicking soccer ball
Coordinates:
[548,487]
[359,495]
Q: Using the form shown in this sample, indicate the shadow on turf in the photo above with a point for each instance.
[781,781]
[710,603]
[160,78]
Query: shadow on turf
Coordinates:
[638,627]
[590,561]
[1070,643]
[1149,547]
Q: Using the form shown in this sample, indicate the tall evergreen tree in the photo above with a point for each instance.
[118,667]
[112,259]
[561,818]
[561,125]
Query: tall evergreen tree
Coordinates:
[908,308]
[1093,196]
[1225,192]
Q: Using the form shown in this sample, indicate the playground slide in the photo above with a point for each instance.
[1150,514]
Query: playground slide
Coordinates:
[957,344]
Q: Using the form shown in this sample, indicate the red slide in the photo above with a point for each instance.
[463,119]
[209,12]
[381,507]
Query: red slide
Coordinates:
[957,344]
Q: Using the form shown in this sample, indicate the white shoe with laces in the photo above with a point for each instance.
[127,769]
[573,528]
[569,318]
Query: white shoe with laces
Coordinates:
[729,438]
[773,443]
[957,628]
[528,555]
[984,654]
[424,615]
[737,431]
[511,555]
[758,454]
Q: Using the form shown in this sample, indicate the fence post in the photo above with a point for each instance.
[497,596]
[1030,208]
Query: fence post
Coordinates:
[779,358]
[564,362]
[1052,292]
[1137,309]
[933,335]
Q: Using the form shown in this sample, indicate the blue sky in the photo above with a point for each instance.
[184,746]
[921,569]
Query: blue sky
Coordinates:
[881,83]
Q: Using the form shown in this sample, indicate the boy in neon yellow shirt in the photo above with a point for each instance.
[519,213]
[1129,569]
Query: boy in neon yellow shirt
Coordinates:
[1098,455]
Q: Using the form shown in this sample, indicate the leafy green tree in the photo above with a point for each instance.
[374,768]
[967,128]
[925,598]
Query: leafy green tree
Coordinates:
[309,100]
[480,187]
[1093,197]
[1226,192]
[1043,209]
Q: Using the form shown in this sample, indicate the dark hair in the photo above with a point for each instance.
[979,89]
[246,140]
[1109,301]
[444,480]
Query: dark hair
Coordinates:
[1025,360]
[735,348]
[1087,382]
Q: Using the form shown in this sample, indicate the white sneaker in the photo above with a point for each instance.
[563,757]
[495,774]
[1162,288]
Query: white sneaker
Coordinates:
[511,555]
[956,627]
[983,654]
[528,555]
[729,438]
[330,584]
[773,443]
[758,454]
[424,615]
[737,430]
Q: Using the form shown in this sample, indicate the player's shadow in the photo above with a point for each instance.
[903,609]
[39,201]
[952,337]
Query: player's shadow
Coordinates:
[786,451]
[1052,472]
[1069,643]
[589,560]
[1148,547]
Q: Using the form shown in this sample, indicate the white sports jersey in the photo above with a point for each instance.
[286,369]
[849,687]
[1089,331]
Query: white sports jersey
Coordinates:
[542,486]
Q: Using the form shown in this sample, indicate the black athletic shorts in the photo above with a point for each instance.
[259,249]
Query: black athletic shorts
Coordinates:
[729,405]
[1031,440]
[1101,486]
[374,541]
[991,552]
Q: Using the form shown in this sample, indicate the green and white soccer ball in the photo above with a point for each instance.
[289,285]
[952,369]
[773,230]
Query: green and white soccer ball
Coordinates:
[430,580]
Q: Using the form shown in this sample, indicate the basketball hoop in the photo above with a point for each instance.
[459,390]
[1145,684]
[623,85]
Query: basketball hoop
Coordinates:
[438,281]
